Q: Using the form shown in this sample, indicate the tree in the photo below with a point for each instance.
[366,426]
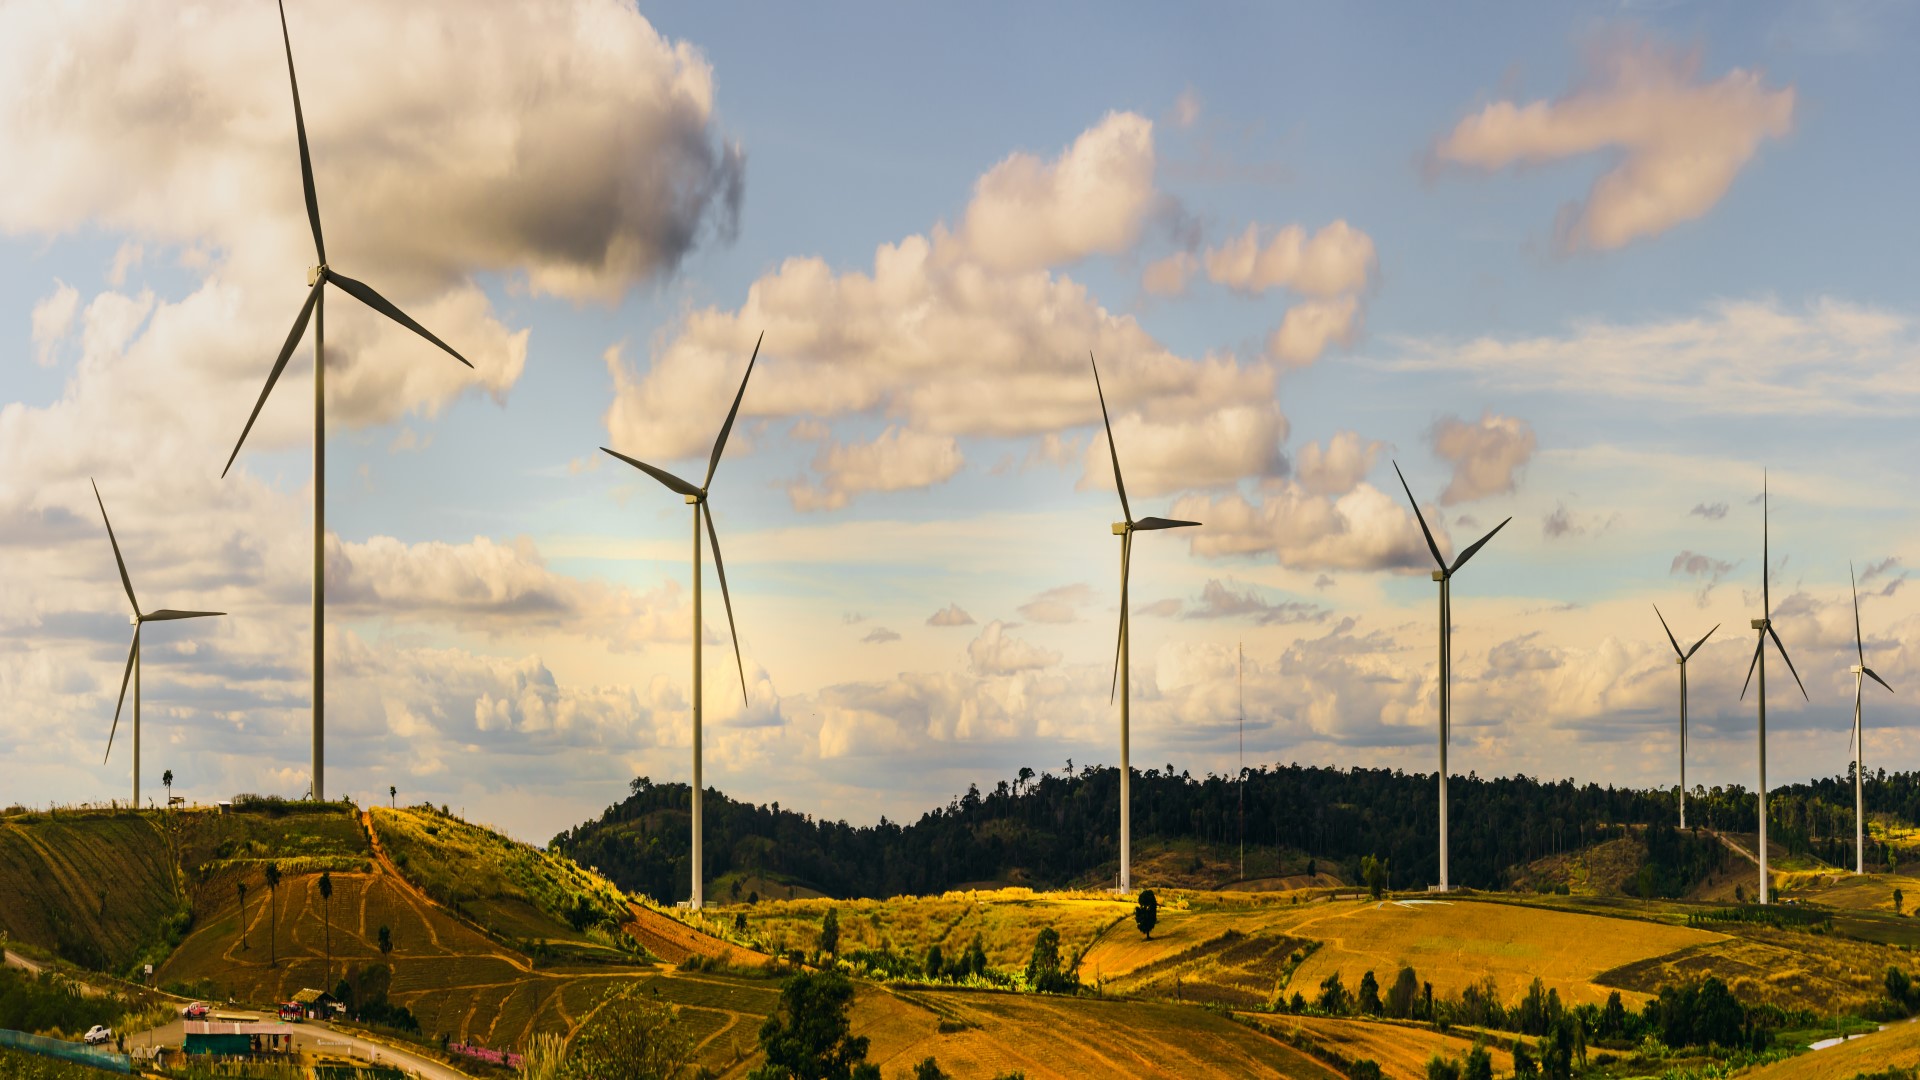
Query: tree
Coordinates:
[1365,1069]
[1146,913]
[1899,901]
[1439,1068]
[1043,967]
[830,933]
[386,941]
[929,1069]
[808,1036]
[1404,996]
[273,913]
[1333,994]
[1374,872]
[936,963]
[1369,998]
[975,960]
[392,794]
[242,886]
[1479,1064]
[632,1036]
[326,913]
[1313,868]
[1523,1064]
[166,781]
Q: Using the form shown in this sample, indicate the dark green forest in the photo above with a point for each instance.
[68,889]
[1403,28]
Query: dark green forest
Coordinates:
[1058,828]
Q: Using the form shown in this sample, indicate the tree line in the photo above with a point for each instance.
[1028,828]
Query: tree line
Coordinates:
[1056,827]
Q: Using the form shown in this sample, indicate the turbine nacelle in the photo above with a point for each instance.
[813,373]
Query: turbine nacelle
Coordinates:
[1441,575]
[1122,528]
[315,273]
[1761,624]
[1857,669]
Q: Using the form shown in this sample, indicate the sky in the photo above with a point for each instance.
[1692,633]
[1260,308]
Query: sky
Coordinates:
[1592,268]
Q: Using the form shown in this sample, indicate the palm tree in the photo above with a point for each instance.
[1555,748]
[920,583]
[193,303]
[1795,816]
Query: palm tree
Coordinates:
[391,793]
[243,913]
[166,781]
[273,913]
[326,913]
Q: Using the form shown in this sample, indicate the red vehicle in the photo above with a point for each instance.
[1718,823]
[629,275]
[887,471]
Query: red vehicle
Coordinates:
[291,1012]
[196,1011]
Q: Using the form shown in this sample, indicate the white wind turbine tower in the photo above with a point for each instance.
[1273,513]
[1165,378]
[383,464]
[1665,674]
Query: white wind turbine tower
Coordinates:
[1763,628]
[697,498]
[1682,656]
[1444,576]
[138,620]
[1859,738]
[318,277]
[1122,654]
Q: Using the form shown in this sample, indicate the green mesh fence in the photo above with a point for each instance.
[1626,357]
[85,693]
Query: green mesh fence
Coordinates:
[78,1053]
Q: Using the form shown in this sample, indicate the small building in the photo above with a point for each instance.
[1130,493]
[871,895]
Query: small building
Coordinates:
[314,1004]
[238,1038]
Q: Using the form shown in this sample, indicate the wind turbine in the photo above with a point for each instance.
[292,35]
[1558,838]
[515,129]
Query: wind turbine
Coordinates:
[138,620]
[1763,628]
[1444,576]
[697,498]
[316,309]
[1858,741]
[1125,530]
[1683,657]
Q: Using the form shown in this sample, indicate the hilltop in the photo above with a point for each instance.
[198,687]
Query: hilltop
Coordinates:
[1302,826]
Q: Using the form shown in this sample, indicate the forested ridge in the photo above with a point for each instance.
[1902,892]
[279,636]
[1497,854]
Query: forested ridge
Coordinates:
[1059,827]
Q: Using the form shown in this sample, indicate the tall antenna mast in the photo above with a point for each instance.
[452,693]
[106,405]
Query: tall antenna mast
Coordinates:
[1243,760]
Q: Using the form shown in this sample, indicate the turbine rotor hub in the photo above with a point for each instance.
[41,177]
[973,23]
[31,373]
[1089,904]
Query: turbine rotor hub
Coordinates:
[133,620]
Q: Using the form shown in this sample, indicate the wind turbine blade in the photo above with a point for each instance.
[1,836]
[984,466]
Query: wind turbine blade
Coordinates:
[1750,666]
[1150,523]
[1702,641]
[1112,451]
[279,365]
[1875,678]
[1850,735]
[1120,635]
[1421,518]
[165,614]
[1475,547]
[125,581]
[726,429]
[364,293]
[1766,568]
[300,129]
[1669,630]
[1858,645]
[1775,635]
[672,482]
[720,570]
[132,652]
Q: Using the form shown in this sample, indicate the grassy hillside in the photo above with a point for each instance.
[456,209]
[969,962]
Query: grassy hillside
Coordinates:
[94,888]
[515,891]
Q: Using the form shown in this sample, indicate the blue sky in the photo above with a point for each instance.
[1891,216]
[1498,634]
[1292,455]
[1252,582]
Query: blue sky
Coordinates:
[1592,268]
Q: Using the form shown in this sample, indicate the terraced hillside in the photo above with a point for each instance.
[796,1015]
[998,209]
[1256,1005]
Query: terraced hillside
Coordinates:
[97,889]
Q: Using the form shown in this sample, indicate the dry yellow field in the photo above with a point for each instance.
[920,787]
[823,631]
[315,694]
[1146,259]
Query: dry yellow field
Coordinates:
[1401,1050]
[1007,920]
[1821,972]
[1896,1047]
[1457,942]
[1061,1038]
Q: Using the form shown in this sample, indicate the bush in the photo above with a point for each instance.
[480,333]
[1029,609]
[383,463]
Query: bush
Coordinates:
[929,1069]
[1365,1069]
[809,1036]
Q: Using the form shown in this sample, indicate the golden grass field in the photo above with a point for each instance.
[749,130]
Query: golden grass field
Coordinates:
[1059,1038]
[1896,1047]
[1008,920]
[1401,1050]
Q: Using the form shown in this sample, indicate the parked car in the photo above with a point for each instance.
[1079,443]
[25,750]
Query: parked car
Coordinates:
[196,1011]
[291,1012]
[99,1033]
